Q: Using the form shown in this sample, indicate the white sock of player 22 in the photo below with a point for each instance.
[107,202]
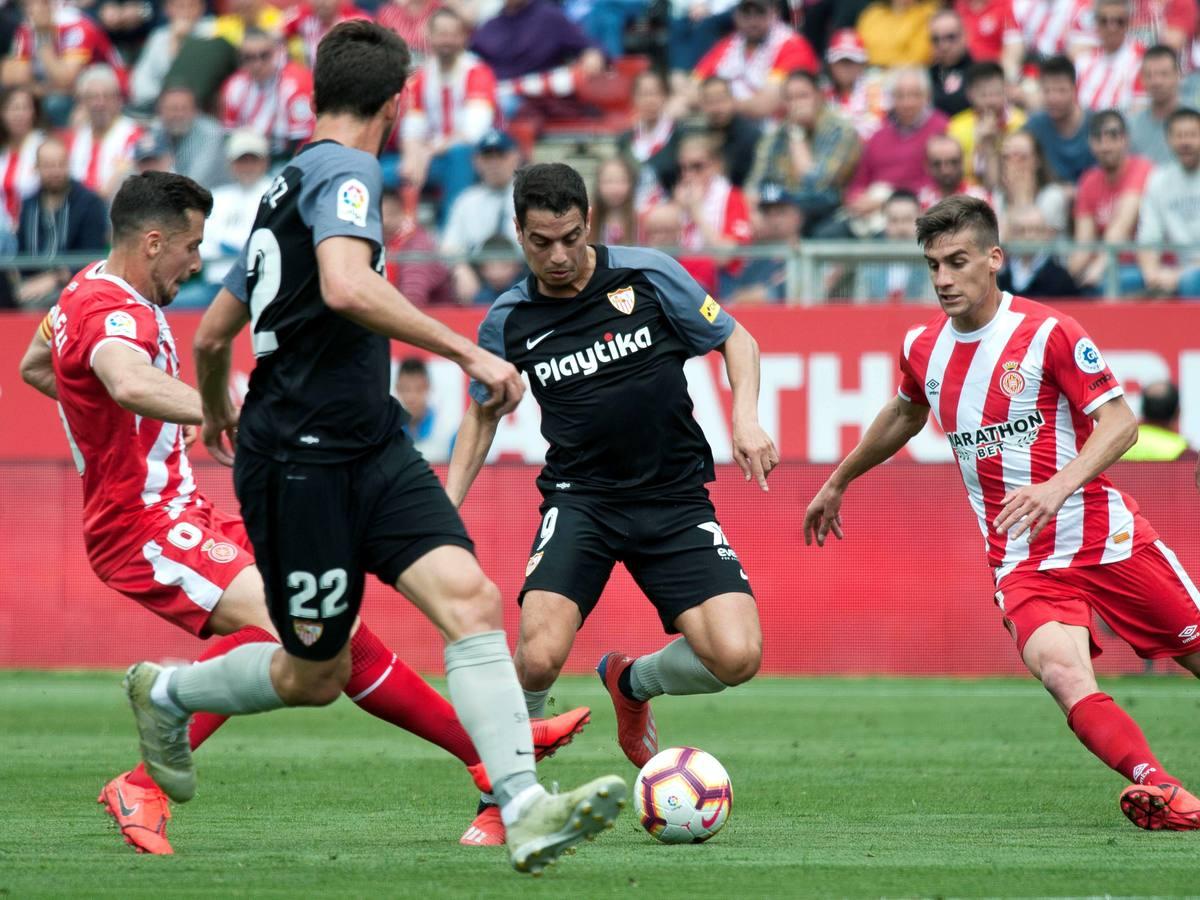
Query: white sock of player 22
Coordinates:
[675,669]
[237,683]
[488,700]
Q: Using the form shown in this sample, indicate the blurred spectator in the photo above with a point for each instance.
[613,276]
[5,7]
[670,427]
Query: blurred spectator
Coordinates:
[1025,181]
[811,153]
[270,94]
[1147,127]
[992,33]
[1170,22]
[241,16]
[54,44]
[306,23]
[695,26]
[951,60]
[1109,74]
[484,209]
[1159,439]
[944,164]
[197,141]
[651,143]
[778,222]
[61,217]
[1061,128]
[901,280]
[160,50]
[614,218]
[534,37]
[10,21]
[858,94]
[605,21]
[896,32]
[1107,203]
[715,213]
[423,426]
[451,105]
[662,226]
[1170,212]
[980,129]
[151,153]
[410,20]
[1033,274]
[126,22]
[756,58]
[235,206]
[1052,27]
[496,275]
[425,282]
[101,145]
[20,137]
[734,134]
[895,157]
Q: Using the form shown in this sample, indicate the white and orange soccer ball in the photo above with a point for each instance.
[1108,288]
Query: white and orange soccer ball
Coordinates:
[683,796]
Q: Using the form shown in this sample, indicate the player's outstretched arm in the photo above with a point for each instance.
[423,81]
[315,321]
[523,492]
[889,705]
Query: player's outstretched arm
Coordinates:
[475,436]
[37,365]
[351,287]
[1030,509]
[753,449]
[133,382]
[897,423]
[225,317]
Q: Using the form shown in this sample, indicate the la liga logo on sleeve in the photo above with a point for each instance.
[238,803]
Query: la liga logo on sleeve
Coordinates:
[120,324]
[352,201]
[1087,357]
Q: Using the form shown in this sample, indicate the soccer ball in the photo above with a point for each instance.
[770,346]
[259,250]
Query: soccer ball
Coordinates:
[683,796]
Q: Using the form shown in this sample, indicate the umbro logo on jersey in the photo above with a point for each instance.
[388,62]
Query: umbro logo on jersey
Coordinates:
[588,360]
[932,385]
[1190,634]
[530,343]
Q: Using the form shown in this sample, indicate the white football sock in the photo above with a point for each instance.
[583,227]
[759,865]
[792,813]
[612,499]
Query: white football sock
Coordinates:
[237,683]
[675,669]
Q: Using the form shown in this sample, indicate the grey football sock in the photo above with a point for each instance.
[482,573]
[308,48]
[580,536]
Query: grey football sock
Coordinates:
[487,698]
[675,669]
[234,684]
[535,702]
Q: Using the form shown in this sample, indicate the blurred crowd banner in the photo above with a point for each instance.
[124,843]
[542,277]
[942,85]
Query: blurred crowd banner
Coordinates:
[825,373]
[907,592]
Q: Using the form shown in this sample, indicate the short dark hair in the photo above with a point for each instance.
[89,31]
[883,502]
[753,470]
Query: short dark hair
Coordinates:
[360,67]
[156,198]
[654,74]
[1160,402]
[900,195]
[444,12]
[804,75]
[717,79]
[1104,117]
[555,187]
[1178,115]
[1059,66]
[413,365]
[983,71]
[6,96]
[958,213]
[1161,51]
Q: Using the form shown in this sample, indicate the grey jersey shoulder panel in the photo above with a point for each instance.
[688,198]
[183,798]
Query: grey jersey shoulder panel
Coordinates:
[683,299]
[491,330]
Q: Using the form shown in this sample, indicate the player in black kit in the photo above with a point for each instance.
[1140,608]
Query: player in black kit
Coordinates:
[603,333]
[330,486]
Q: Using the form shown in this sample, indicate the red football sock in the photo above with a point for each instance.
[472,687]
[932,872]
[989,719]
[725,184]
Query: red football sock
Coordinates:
[205,723]
[1110,733]
[384,686]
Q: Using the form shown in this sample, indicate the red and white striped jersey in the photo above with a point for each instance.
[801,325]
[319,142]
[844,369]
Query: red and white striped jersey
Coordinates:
[302,24]
[76,38]
[1110,80]
[92,160]
[18,177]
[281,109]
[135,470]
[1014,399]
[461,101]
[1050,26]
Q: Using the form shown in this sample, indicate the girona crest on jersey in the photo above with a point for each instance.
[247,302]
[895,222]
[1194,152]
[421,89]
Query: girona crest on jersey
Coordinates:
[622,299]
[1012,382]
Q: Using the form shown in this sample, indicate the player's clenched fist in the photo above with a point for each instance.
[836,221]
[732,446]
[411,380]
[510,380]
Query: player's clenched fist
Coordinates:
[219,435]
[504,384]
[824,515]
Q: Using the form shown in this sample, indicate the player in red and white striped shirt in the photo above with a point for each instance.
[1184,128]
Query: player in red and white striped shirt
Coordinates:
[1052,27]
[1110,75]
[270,94]
[1034,417]
[100,151]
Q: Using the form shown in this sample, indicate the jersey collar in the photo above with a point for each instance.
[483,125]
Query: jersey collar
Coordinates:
[980,333]
[98,271]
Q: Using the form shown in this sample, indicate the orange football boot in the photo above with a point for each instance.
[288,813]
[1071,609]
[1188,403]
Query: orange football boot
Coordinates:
[1161,807]
[141,814]
[487,830]
[636,732]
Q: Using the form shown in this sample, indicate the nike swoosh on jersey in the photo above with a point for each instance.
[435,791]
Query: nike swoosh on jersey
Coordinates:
[530,343]
[126,810]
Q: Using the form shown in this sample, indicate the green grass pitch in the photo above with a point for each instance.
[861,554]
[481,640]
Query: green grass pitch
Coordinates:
[880,787]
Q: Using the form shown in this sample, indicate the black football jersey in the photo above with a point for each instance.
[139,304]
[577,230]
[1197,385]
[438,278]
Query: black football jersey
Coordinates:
[320,390]
[606,368]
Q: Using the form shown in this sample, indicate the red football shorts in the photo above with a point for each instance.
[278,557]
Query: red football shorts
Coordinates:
[181,571]
[1148,600]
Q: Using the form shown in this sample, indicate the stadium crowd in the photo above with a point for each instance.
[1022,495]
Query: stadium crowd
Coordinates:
[722,123]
